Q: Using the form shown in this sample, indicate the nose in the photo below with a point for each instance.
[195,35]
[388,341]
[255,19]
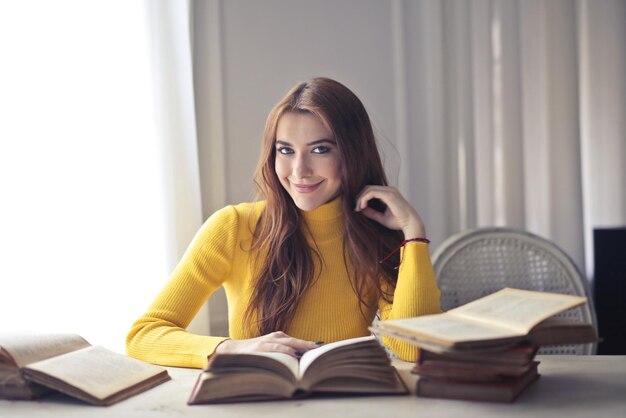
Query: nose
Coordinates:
[302,167]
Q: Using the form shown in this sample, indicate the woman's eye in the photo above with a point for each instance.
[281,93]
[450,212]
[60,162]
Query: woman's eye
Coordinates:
[321,149]
[284,150]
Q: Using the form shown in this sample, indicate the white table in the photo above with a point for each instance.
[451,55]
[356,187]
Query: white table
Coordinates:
[569,387]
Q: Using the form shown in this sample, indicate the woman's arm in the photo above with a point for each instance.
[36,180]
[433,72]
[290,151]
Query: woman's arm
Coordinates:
[416,291]
[159,335]
[416,294]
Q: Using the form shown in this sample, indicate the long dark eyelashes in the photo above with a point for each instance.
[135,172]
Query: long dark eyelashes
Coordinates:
[284,150]
[321,150]
[316,150]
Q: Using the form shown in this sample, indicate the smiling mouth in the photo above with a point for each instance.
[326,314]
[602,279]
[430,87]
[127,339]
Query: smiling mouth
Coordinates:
[306,188]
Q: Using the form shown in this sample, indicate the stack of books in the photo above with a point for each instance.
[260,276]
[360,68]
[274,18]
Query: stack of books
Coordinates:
[485,350]
[488,376]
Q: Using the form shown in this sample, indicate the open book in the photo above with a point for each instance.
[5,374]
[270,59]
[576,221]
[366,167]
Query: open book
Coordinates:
[504,318]
[32,365]
[356,366]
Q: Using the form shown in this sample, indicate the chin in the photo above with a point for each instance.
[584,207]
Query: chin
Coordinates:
[307,206]
[308,203]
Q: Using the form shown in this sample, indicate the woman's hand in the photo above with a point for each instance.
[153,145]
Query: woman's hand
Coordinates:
[398,215]
[277,342]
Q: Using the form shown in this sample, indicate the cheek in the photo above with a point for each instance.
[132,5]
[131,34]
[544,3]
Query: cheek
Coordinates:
[334,171]
[281,169]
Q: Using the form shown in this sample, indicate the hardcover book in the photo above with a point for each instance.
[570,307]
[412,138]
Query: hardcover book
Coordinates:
[353,366]
[503,319]
[32,365]
[505,389]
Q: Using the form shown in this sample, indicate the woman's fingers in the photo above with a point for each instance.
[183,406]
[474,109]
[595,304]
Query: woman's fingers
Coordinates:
[278,348]
[399,213]
[277,342]
[383,193]
[286,344]
[374,214]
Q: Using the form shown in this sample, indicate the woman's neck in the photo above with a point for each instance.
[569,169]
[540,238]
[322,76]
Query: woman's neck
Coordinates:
[325,222]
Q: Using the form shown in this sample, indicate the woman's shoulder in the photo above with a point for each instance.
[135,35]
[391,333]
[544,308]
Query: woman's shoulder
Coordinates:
[231,221]
[250,208]
[241,212]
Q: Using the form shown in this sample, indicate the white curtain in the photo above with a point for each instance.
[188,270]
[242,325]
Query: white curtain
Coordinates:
[99,173]
[170,34]
[523,116]
[603,115]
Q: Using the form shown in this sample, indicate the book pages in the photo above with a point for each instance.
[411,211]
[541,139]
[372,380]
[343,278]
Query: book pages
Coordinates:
[27,348]
[517,309]
[309,357]
[447,329]
[97,371]
[285,359]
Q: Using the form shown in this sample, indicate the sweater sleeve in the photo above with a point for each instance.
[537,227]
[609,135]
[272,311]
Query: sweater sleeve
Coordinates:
[159,336]
[416,294]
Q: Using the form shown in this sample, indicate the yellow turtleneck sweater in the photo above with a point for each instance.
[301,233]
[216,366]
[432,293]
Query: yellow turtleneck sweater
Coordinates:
[329,311]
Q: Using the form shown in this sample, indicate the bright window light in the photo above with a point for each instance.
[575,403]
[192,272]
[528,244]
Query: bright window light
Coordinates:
[82,247]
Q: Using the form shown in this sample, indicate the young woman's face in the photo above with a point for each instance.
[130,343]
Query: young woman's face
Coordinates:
[307,160]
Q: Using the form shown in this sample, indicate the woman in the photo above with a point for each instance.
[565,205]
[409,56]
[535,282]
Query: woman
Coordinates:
[329,246]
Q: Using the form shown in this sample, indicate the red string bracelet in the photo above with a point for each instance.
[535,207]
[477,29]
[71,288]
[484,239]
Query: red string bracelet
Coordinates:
[402,244]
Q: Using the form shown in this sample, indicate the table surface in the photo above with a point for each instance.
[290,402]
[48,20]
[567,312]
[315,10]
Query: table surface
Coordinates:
[570,386]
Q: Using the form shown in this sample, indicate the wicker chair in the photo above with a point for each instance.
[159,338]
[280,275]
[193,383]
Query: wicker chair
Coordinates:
[475,263]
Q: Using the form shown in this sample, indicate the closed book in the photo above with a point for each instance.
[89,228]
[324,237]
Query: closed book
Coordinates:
[504,390]
[470,371]
[520,355]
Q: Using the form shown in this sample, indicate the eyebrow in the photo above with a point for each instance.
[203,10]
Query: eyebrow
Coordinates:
[316,142]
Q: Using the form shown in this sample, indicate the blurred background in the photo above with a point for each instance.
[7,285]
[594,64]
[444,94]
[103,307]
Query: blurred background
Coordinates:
[125,124]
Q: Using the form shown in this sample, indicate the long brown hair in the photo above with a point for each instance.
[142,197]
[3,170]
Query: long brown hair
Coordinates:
[284,260]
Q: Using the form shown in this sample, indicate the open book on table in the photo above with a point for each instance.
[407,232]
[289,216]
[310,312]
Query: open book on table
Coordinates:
[504,318]
[355,366]
[32,365]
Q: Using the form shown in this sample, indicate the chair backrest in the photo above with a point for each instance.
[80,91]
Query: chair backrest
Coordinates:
[478,262]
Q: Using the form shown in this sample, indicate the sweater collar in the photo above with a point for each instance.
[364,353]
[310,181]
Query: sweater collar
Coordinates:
[330,211]
[326,222]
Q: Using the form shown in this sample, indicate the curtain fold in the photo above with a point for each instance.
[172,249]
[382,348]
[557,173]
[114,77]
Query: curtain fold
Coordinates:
[170,37]
[602,73]
[169,27]
[533,134]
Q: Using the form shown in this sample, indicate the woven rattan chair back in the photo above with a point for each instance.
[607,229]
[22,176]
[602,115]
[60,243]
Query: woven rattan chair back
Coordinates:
[475,263]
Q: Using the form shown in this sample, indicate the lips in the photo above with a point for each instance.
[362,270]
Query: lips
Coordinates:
[306,188]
